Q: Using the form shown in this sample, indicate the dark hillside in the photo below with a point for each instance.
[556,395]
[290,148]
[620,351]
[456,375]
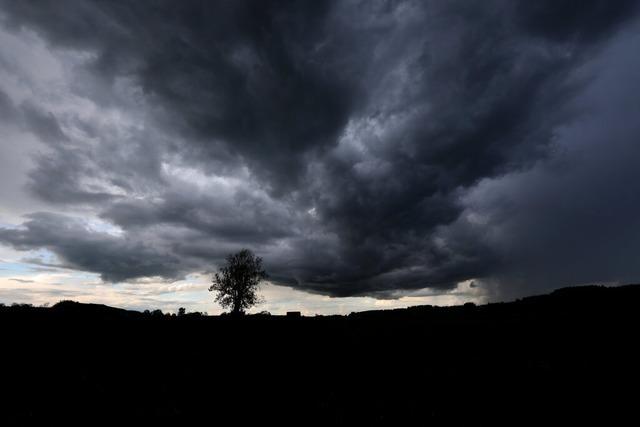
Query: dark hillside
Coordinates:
[569,356]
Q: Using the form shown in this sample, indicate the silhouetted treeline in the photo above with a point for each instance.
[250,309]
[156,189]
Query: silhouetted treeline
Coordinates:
[566,357]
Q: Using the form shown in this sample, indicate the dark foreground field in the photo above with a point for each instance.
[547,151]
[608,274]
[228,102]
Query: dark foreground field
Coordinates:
[570,356]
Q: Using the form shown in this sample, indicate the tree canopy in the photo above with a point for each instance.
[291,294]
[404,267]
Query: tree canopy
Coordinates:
[236,284]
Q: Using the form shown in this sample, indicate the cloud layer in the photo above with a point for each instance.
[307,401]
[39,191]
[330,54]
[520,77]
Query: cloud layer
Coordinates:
[362,148]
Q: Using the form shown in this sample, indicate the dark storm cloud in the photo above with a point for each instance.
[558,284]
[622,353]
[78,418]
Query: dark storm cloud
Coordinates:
[42,124]
[575,20]
[244,71]
[7,109]
[58,178]
[347,136]
[573,219]
[115,258]
[240,217]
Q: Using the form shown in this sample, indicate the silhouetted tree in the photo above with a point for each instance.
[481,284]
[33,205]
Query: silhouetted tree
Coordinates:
[236,284]
[182,311]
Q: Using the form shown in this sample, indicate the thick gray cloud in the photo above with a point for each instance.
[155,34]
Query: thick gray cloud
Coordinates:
[117,258]
[574,218]
[360,147]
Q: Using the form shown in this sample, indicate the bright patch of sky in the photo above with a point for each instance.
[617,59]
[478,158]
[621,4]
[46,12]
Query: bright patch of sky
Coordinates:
[38,285]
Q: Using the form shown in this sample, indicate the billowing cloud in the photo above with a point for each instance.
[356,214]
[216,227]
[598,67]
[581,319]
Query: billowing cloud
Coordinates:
[362,148]
[79,246]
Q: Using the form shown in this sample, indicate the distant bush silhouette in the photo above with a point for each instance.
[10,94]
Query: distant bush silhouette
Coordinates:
[236,284]
[21,305]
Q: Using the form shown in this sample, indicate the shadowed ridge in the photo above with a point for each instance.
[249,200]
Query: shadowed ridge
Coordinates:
[73,308]
[569,298]
[569,356]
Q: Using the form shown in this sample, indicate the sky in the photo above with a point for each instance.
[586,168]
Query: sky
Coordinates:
[375,154]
